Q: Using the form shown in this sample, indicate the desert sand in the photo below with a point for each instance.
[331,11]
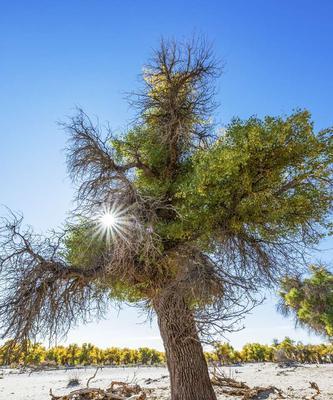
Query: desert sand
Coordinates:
[294,381]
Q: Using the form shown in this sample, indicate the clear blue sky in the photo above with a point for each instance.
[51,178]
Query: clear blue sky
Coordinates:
[55,55]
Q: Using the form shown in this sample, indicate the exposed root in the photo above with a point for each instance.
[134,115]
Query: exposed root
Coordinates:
[126,390]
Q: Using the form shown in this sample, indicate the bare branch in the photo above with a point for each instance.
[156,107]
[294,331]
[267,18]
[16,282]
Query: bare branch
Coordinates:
[91,161]
[40,294]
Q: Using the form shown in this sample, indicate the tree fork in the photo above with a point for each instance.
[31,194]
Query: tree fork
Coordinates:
[189,376]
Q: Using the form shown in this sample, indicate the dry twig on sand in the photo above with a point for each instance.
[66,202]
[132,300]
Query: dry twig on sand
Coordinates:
[314,386]
[93,377]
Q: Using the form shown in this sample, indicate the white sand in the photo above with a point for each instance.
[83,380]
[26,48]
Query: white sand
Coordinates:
[294,382]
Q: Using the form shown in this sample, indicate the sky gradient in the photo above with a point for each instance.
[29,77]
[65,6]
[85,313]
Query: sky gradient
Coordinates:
[56,55]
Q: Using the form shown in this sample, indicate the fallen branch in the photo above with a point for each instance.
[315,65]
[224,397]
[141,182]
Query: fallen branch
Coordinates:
[232,387]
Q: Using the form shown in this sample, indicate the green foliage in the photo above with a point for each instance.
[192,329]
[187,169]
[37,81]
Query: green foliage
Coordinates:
[257,352]
[265,177]
[225,354]
[84,248]
[310,300]
[146,140]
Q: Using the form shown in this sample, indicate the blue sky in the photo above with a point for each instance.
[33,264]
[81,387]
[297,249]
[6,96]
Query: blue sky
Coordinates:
[55,55]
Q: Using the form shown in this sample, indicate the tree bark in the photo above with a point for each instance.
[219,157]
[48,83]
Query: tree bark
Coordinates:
[186,362]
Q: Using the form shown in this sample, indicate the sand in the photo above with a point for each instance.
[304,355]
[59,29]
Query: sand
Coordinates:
[293,381]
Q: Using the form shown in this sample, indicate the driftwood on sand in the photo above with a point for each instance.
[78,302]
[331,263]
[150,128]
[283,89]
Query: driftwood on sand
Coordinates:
[116,391]
[232,387]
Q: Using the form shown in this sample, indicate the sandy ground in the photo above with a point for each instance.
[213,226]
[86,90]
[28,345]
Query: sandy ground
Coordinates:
[293,381]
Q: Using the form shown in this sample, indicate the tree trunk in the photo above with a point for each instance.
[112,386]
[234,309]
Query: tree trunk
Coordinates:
[186,362]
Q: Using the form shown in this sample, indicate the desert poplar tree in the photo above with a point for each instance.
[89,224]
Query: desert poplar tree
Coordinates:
[175,215]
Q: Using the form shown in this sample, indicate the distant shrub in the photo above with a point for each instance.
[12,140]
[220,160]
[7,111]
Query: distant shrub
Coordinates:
[73,381]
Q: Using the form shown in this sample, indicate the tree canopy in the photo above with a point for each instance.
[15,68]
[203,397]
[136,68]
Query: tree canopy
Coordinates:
[310,300]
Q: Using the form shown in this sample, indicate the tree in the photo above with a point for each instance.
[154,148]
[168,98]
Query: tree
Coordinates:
[225,353]
[73,351]
[185,220]
[256,352]
[310,300]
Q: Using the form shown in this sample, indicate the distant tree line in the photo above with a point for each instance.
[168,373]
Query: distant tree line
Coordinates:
[287,350]
[223,353]
[73,354]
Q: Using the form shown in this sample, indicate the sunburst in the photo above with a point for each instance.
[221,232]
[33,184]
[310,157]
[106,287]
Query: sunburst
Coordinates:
[113,222]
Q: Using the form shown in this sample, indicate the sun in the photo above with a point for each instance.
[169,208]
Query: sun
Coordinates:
[113,222]
[108,220]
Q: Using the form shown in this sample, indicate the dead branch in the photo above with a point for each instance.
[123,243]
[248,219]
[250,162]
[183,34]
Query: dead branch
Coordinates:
[44,295]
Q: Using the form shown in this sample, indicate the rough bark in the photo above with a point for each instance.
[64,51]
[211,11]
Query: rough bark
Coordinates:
[186,362]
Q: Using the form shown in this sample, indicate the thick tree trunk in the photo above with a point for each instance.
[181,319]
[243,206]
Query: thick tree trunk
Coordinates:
[187,366]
